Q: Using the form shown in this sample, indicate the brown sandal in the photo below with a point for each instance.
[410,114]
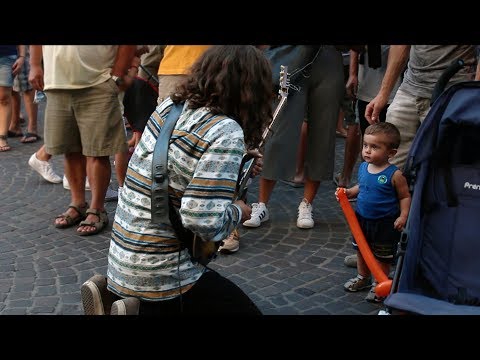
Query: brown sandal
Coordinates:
[71,221]
[99,226]
[5,147]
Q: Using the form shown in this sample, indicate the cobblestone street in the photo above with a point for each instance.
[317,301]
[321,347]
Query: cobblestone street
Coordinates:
[284,269]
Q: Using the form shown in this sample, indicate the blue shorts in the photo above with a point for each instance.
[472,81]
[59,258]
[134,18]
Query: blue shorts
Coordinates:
[6,76]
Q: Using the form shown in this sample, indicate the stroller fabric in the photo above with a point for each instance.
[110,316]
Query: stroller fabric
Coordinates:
[441,268]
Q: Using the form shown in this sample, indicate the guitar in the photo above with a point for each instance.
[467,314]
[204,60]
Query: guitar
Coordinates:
[205,251]
[248,162]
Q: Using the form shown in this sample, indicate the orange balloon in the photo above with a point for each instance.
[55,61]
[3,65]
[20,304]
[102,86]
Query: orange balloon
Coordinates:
[384,283]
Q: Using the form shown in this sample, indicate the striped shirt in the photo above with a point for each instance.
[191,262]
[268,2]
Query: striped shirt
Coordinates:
[203,164]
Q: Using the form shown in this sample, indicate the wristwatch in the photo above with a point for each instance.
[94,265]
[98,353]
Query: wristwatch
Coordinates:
[118,80]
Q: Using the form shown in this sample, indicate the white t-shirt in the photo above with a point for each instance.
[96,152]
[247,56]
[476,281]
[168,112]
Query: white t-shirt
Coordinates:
[370,80]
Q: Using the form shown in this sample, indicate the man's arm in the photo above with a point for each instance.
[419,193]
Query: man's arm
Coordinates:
[35,77]
[22,51]
[17,65]
[123,60]
[217,222]
[397,59]
[352,82]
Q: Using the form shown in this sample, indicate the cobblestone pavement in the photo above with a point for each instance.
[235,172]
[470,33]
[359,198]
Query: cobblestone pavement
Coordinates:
[284,269]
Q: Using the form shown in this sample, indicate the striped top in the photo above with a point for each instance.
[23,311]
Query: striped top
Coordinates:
[203,165]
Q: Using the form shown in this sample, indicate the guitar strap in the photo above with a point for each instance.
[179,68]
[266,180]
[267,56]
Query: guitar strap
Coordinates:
[162,210]
[159,197]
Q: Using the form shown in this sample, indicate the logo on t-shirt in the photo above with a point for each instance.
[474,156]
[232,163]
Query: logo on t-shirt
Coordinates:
[382,179]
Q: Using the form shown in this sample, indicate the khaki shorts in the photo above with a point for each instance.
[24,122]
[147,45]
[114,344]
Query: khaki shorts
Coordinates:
[167,85]
[407,113]
[85,120]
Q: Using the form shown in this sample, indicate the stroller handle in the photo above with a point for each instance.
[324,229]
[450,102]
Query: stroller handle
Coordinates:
[442,82]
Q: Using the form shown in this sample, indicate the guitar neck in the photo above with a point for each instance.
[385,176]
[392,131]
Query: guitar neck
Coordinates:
[247,169]
[267,131]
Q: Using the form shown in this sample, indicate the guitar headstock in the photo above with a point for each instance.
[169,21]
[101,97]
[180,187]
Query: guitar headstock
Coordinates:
[284,82]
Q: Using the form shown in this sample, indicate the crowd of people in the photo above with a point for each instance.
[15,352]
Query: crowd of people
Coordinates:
[227,98]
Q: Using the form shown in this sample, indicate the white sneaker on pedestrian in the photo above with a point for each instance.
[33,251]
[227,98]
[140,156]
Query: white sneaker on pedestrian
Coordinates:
[259,215]
[305,220]
[231,244]
[350,260]
[111,195]
[66,185]
[44,168]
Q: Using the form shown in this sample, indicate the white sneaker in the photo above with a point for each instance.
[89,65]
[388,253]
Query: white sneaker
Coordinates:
[44,168]
[305,220]
[66,185]
[111,195]
[259,215]
[231,244]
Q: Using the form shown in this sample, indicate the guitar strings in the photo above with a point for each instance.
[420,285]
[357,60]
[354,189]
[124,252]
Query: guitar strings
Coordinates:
[306,65]
[303,70]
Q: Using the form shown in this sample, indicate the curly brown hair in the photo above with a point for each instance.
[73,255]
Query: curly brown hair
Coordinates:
[233,80]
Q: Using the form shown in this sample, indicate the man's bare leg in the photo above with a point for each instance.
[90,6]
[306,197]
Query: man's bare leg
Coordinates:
[98,172]
[75,172]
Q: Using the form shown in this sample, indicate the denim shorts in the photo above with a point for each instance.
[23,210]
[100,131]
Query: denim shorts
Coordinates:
[6,76]
[20,82]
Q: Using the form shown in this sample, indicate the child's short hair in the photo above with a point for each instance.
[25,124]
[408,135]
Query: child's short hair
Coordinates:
[387,129]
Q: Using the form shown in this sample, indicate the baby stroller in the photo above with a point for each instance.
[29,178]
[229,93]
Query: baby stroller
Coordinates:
[438,264]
